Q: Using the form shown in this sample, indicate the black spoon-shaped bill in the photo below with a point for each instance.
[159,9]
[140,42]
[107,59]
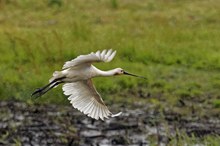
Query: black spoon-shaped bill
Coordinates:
[130,74]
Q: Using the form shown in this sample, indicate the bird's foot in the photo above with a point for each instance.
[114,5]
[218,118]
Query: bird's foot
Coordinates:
[37,93]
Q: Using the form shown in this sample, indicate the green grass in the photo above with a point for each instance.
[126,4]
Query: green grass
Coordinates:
[184,139]
[175,44]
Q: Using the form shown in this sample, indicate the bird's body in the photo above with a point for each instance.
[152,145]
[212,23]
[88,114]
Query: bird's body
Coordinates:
[82,73]
[76,76]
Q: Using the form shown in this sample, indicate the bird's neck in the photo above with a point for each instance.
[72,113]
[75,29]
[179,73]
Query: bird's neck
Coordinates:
[104,73]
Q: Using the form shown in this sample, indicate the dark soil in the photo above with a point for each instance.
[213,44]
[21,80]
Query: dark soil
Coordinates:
[41,125]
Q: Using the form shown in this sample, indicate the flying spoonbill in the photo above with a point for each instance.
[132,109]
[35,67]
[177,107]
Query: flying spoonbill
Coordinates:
[76,76]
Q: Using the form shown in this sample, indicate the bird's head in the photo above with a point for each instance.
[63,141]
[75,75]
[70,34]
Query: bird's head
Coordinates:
[120,71]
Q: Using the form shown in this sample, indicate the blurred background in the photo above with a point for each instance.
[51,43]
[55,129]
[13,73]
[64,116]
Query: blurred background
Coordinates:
[174,43]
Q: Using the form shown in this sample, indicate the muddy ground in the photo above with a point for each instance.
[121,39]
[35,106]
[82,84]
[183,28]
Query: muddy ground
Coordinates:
[33,125]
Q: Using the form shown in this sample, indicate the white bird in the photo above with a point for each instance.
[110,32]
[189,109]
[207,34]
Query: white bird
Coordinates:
[76,76]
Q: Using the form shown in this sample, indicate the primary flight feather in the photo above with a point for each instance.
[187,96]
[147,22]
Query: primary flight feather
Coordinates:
[76,76]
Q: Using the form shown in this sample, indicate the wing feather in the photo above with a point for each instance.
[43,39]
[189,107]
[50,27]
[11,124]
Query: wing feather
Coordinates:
[101,114]
[108,53]
[97,113]
[91,109]
[84,97]
[104,56]
[111,56]
[87,111]
[98,53]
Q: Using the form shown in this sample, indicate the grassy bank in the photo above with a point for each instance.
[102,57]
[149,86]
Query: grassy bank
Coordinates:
[175,44]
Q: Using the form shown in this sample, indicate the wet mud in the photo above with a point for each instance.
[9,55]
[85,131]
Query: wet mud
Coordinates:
[33,125]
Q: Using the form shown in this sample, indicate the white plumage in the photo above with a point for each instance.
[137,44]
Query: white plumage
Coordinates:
[84,97]
[76,76]
[82,94]
[105,56]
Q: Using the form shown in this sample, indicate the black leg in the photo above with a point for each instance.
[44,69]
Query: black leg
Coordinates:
[51,87]
[40,91]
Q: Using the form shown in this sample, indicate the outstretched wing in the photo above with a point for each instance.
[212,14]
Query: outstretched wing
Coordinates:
[84,97]
[104,56]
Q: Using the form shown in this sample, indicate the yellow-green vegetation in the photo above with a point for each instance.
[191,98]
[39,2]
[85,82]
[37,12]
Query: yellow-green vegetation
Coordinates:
[184,140]
[174,43]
